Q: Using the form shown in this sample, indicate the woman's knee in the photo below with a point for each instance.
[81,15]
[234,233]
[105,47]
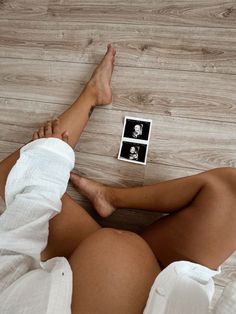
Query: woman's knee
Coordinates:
[117,268]
[219,178]
[217,195]
[222,172]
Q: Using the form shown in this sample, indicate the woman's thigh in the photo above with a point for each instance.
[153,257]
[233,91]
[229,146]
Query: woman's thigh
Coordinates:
[113,272]
[68,228]
[204,232]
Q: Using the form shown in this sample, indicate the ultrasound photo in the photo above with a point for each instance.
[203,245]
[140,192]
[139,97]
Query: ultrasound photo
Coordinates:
[137,129]
[135,140]
[133,152]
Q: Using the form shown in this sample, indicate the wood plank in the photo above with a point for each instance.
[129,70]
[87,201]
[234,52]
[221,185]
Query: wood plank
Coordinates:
[181,142]
[108,170]
[28,113]
[194,95]
[163,12]
[168,47]
[205,13]
[185,12]
[158,172]
[23,9]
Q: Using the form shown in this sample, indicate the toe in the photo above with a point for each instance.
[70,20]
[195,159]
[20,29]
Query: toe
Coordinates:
[35,136]
[74,178]
[41,132]
[55,126]
[48,128]
[111,49]
[110,52]
[113,52]
[108,48]
[65,136]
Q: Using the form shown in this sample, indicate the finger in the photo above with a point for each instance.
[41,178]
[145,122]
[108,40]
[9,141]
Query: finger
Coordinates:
[41,131]
[48,128]
[35,136]
[55,126]
[65,136]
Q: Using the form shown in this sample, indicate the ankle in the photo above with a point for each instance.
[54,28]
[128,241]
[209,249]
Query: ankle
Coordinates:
[111,193]
[90,90]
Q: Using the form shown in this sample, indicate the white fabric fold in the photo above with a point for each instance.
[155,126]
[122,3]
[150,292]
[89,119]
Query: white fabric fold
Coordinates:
[33,194]
[182,288]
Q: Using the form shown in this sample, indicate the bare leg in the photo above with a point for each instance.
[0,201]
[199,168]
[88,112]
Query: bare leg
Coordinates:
[201,226]
[97,92]
[65,232]
[165,196]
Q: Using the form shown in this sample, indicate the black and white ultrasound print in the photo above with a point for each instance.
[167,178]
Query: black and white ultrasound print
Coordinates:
[137,129]
[135,140]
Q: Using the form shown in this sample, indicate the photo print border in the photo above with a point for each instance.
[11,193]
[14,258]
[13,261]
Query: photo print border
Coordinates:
[135,148]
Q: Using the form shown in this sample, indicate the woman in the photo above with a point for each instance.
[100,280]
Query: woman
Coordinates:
[112,270]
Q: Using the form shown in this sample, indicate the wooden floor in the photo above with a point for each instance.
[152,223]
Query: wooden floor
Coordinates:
[176,64]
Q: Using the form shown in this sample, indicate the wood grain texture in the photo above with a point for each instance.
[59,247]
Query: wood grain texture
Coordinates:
[176,64]
[161,47]
[23,9]
[208,13]
[185,12]
[209,96]
[182,142]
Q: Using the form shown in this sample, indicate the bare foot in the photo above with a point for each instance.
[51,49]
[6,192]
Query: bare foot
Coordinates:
[97,193]
[51,129]
[101,78]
